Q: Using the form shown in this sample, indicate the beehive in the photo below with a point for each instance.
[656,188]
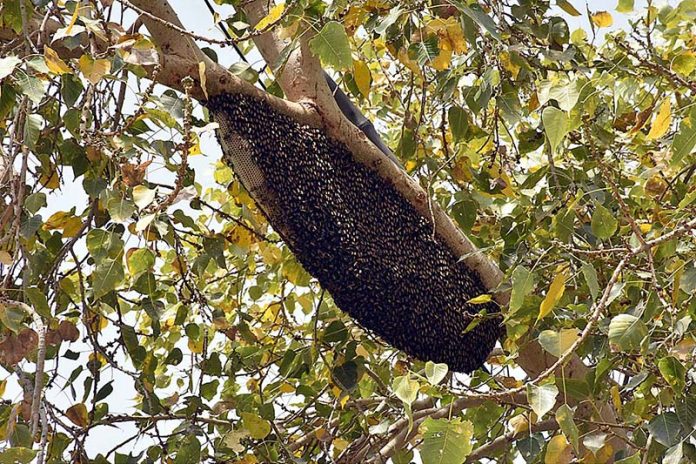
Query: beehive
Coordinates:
[357,235]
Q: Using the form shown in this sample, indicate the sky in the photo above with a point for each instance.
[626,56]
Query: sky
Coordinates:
[196,17]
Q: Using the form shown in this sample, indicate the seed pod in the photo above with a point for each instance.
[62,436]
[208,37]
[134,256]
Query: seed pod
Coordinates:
[353,231]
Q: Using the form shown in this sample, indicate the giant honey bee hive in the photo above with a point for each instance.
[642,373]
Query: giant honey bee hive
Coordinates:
[357,235]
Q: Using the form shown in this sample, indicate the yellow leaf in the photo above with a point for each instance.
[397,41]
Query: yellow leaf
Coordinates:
[363,79]
[54,63]
[684,63]
[558,451]
[481,299]
[602,19]
[518,424]
[449,32]
[5,258]
[94,70]
[509,66]
[443,60]
[78,415]
[286,388]
[3,385]
[196,346]
[616,398]
[50,179]
[555,292]
[662,121]
[202,77]
[272,17]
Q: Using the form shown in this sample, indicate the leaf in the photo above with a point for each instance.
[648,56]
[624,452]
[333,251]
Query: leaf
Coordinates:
[140,260]
[405,389]
[590,274]
[666,429]
[566,94]
[555,125]
[435,372]
[120,209]
[143,196]
[625,6]
[685,139]
[424,51]
[662,121]
[363,79]
[602,19]
[6,258]
[558,343]
[106,277]
[458,122]
[684,63]
[258,427]
[564,417]
[558,451]
[8,65]
[78,415]
[685,408]
[604,223]
[446,441]
[556,290]
[626,332]
[346,375]
[332,47]
[272,17]
[481,299]
[566,6]
[673,372]
[542,398]
[522,285]
[189,451]
[94,70]
[479,17]
[14,348]
[55,64]
[17,455]
[674,454]
[595,442]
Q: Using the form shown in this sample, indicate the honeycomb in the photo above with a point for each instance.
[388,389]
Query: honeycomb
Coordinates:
[354,232]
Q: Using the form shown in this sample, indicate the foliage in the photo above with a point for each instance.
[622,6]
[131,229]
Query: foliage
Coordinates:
[559,157]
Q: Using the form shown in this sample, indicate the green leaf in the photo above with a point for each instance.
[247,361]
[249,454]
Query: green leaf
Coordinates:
[446,441]
[8,65]
[479,17]
[566,6]
[346,375]
[673,372]
[425,51]
[189,450]
[604,223]
[555,125]
[17,455]
[405,389]
[564,417]
[685,408]
[140,260]
[458,122]
[120,209]
[625,6]
[542,398]
[523,281]
[258,427]
[332,47]
[106,277]
[38,300]
[591,278]
[666,429]
[685,140]
[626,332]
[558,343]
[435,372]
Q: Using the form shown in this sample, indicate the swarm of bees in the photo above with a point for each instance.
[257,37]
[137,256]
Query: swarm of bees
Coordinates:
[358,236]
